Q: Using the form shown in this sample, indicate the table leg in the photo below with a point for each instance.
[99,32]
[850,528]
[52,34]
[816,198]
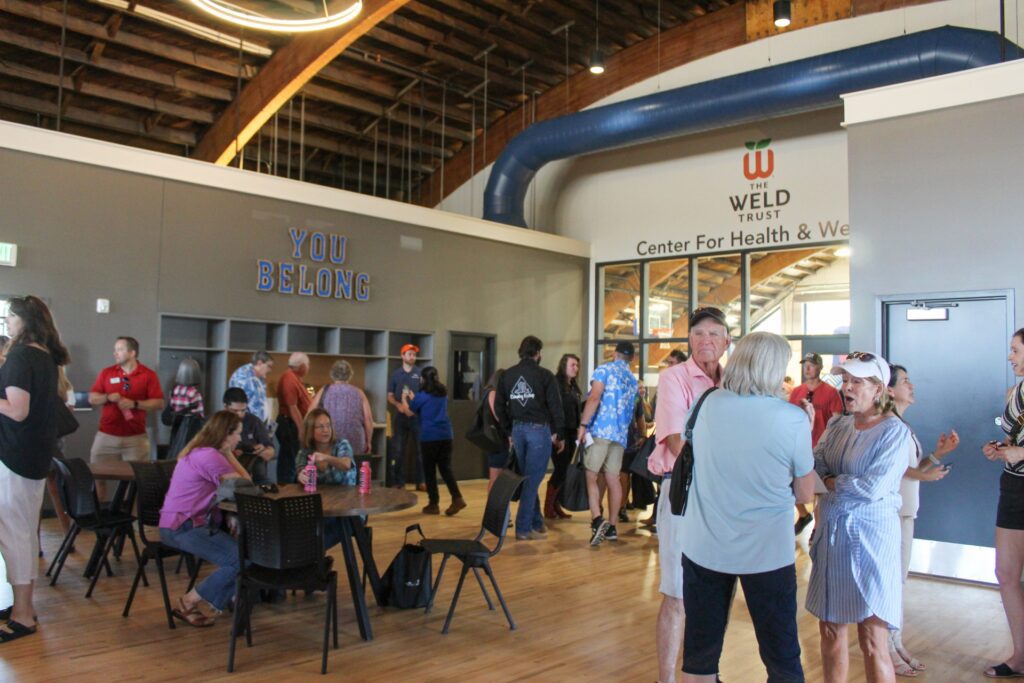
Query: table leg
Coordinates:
[366,553]
[352,568]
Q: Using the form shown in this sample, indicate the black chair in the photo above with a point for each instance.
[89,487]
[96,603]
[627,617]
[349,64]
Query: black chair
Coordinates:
[78,494]
[152,481]
[280,548]
[473,553]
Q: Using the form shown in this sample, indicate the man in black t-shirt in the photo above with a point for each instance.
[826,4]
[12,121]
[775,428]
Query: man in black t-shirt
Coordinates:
[256,447]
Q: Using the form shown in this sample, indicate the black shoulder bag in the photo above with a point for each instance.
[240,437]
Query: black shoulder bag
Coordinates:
[682,471]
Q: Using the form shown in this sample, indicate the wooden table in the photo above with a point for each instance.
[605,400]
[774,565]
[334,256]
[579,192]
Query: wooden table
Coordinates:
[348,505]
[115,470]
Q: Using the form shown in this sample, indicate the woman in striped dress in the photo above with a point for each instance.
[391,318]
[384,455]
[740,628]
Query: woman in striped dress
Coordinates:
[1010,515]
[855,578]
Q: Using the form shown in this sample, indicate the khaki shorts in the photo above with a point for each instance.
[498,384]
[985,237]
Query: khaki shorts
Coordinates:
[604,454]
[670,545]
[108,448]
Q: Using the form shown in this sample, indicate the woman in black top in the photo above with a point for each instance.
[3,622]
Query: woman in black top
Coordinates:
[572,398]
[28,440]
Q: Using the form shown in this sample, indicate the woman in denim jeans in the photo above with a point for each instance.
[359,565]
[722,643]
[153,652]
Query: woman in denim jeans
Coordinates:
[204,463]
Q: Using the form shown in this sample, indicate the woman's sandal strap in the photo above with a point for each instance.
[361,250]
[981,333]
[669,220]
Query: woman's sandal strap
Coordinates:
[12,630]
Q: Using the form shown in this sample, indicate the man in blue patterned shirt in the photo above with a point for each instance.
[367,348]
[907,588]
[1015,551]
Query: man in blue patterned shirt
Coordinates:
[252,379]
[606,415]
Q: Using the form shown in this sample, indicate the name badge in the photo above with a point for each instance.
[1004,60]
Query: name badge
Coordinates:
[115,380]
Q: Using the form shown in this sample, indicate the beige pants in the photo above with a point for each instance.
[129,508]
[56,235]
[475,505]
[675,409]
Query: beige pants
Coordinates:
[107,447]
[20,502]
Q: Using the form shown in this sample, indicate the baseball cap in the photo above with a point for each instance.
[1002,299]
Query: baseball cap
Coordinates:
[625,348]
[410,347]
[861,364]
[812,358]
[706,312]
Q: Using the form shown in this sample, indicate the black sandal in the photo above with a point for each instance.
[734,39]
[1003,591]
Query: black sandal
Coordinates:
[1003,671]
[12,630]
[5,614]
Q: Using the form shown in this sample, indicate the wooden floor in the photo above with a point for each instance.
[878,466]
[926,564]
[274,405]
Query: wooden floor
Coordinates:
[583,615]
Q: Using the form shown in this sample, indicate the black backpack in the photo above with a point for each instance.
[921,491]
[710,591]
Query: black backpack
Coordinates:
[408,581]
[485,433]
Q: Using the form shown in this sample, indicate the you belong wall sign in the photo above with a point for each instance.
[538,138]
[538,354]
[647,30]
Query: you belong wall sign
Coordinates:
[325,282]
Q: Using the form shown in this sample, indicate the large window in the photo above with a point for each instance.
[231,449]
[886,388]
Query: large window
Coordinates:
[802,294]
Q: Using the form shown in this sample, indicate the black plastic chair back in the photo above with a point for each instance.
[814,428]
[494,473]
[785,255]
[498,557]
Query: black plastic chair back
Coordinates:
[78,487]
[498,501]
[152,479]
[281,533]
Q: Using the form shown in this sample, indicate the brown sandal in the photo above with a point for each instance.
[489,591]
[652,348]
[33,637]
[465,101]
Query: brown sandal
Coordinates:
[192,616]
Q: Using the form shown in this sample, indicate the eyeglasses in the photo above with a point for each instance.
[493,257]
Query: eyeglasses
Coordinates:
[810,396]
[860,355]
[126,384]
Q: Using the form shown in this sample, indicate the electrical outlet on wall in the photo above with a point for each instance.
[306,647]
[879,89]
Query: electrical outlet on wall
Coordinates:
[103,305]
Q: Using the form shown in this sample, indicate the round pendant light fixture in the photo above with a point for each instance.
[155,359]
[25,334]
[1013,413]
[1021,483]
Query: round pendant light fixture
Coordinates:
[293,16]
[781,13]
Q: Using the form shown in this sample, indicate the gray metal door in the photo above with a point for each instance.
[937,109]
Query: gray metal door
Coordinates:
[960,375]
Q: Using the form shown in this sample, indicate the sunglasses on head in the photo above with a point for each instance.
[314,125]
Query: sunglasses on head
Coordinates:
[861,355]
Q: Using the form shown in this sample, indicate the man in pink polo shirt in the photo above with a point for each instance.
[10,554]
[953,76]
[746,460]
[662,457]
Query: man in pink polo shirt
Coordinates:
[678,387]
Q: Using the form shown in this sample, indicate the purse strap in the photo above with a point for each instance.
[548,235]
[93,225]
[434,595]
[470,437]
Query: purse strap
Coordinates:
[696,409]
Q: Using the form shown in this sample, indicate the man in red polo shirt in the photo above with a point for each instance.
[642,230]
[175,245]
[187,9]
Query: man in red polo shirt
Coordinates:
[826,402]
[126,390]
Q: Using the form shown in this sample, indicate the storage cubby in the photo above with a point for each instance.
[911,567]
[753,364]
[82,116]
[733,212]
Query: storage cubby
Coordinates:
[223,345]
[192,333]
[425,342]
[361,343]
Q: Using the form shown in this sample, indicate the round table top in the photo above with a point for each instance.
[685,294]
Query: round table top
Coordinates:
[346,501]
[115,470]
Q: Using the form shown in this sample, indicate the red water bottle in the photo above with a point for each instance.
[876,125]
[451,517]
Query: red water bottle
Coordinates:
[364,477]
[311,475]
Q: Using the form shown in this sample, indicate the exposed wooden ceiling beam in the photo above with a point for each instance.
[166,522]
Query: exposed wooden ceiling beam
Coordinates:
[167,80]
[285,73]
[71,84]
[99,31]
[100,120]
[518,48]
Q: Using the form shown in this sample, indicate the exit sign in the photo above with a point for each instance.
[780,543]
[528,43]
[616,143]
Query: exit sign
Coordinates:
[8,254]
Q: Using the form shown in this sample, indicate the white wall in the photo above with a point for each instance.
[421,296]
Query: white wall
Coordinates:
[573,197]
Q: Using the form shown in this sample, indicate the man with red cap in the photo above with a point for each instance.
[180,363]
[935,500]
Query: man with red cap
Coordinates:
[404,423]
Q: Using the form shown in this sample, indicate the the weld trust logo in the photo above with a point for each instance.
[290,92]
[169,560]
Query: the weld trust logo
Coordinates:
[759,161]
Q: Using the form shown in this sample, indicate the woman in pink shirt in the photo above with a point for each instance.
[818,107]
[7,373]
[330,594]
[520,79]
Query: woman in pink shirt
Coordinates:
[204,463]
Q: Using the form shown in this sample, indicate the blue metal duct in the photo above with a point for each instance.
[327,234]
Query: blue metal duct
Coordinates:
[791,88]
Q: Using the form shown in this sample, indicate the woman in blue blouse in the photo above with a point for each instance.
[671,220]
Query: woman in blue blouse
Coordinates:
[855,578]
[333,459]
[431,406]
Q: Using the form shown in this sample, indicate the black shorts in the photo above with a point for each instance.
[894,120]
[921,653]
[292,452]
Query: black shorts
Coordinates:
[1010,513]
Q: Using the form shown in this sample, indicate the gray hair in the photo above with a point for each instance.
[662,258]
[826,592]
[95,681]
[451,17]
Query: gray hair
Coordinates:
[261,357]
[757,365]
[189,374]
[341,371]
[298,359]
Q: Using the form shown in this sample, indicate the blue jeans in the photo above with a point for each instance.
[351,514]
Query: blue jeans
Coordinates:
[219,549]
[533,449]
[402,429]
[771,600]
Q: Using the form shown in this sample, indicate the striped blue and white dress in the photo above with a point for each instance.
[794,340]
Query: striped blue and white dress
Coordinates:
[856,546]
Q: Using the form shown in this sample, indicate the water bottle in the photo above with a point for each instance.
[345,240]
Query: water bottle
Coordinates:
[364,477]
[311,475]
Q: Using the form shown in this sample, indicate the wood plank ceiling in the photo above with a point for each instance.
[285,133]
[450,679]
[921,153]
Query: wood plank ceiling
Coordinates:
[380,118]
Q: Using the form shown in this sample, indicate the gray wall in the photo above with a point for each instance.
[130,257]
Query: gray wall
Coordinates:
[935,201]
[154,246]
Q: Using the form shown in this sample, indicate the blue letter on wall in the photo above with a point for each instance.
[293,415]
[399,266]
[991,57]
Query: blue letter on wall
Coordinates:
[362,287]
[285,285]
[317,246]
[265,278]
[297,240]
